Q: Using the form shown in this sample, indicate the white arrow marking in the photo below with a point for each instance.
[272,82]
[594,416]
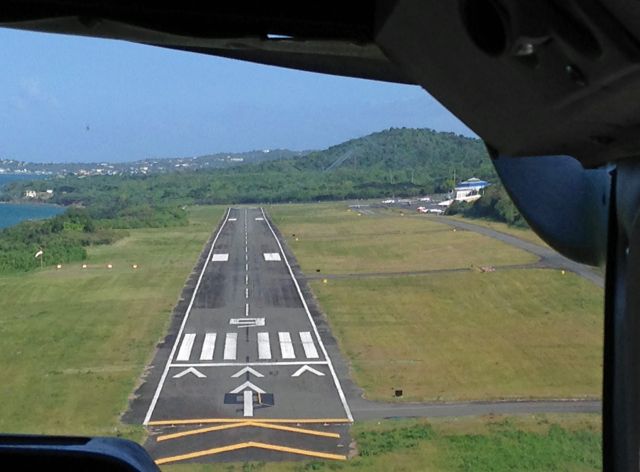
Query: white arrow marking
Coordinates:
[306,368]
[190,370]
[247,385]
[248,403]
[247,369]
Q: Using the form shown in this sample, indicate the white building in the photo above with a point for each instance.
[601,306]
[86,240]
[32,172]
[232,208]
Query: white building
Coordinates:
[470,190]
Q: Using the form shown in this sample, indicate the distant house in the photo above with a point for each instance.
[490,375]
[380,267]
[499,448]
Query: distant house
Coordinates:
[470,190]
[39,195]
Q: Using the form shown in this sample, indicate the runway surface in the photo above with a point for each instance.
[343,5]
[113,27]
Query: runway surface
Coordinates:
[246,376]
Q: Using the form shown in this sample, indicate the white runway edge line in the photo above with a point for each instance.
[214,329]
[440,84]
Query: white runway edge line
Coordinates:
[336,382]
[163,378]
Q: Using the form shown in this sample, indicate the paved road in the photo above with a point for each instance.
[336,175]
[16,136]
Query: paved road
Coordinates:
[548,257]
[246,376]
[364,410]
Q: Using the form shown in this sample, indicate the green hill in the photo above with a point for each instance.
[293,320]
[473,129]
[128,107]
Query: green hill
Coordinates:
[400,162]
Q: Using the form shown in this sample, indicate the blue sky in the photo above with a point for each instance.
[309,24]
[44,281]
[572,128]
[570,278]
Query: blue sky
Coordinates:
[81,99]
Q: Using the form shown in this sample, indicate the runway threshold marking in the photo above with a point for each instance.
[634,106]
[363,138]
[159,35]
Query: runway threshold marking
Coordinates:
[264,346]
[208,347]
[246,424]
[245,445]
[310,350]
[265,420]
[185,348]
[286,346]
[230,346]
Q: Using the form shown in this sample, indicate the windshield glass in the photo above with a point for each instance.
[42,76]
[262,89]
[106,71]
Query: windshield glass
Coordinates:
[238,265]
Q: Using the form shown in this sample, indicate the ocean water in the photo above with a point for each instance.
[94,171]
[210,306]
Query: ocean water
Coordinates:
[11,213]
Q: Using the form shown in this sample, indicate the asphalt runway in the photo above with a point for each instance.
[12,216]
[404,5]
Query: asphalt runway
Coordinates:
[246,375]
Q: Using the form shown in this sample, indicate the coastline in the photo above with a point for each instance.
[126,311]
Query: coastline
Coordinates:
[12,213]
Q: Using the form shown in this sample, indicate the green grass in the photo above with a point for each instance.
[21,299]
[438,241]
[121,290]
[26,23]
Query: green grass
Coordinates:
[336,240]
[531,443]
[459,336]
[75,341]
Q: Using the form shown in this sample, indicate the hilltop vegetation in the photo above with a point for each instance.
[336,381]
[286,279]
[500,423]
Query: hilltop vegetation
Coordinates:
[64,238]
[145,166]
[401,162]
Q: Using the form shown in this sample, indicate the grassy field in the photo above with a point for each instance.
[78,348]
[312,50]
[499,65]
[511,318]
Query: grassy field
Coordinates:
[451,336]
[530,443]
[75,341]
[461,336]
[336,240]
